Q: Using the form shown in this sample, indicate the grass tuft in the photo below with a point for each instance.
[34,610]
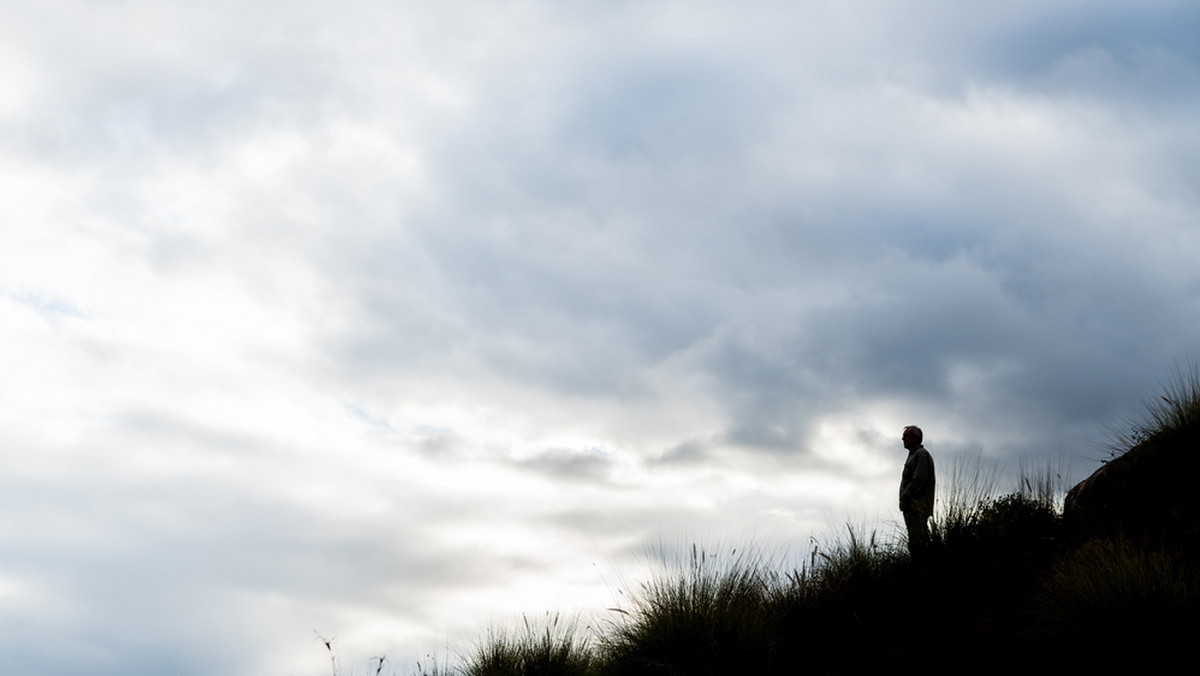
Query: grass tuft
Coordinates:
[1173,417]
[1112,601]
[968,488]
[553,647]
[716,606]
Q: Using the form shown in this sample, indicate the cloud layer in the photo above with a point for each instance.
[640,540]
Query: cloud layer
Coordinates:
[391,321]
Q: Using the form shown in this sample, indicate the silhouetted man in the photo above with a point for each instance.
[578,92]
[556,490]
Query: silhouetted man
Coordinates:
[916,490]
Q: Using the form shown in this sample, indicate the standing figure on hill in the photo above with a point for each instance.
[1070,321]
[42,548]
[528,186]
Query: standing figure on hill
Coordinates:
[916,490]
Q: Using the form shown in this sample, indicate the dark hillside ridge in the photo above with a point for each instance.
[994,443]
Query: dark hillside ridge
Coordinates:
[1147,495]
[1007,584]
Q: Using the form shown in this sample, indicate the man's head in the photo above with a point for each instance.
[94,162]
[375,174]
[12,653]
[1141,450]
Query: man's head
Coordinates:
[912,436]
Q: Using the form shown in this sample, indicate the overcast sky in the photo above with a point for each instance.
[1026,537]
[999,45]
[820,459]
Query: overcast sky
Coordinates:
[392,320]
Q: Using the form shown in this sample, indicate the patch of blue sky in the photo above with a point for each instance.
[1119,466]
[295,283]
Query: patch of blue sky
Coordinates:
[362,414]
[49,307]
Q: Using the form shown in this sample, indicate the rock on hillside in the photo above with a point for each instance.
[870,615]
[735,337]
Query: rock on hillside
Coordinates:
[1148,494]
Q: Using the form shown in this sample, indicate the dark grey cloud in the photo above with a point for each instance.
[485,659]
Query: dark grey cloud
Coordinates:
[563,463]
[1135,40]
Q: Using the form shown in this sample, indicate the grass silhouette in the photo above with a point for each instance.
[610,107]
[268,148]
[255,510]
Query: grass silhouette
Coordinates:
[859,606]
[1171,418]
[998,584]
[1002,587]
[554,647]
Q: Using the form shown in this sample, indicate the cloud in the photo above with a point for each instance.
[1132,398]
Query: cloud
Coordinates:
[388,320]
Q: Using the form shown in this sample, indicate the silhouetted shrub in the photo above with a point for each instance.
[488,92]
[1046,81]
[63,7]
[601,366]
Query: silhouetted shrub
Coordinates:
[1111,600]
[711,618]
[554,649]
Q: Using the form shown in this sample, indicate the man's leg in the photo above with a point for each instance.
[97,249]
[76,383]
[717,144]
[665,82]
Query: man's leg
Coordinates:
[918,531]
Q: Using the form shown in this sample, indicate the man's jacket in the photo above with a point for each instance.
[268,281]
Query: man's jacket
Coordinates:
[917,482]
